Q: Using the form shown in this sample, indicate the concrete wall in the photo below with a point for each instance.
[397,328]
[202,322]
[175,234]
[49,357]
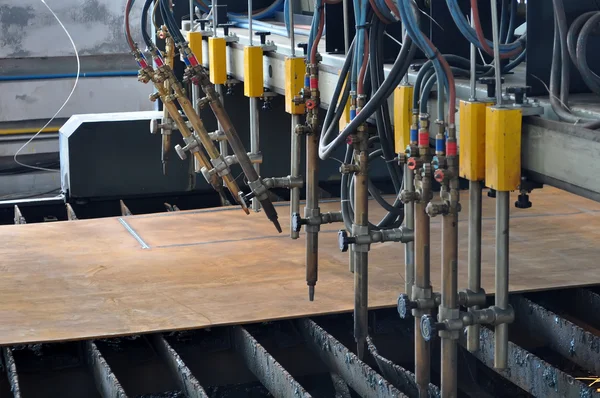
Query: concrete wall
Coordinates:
[33,43]
[29,30]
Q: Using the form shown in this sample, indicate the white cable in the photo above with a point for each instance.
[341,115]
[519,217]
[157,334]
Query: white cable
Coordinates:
[63,105]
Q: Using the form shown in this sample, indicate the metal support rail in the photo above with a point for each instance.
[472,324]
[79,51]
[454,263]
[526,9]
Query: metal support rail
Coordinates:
[106,382]
[268,371]
[563,336]
[185,379]
[531,373]
[401,378]
[339,359]
[11,371]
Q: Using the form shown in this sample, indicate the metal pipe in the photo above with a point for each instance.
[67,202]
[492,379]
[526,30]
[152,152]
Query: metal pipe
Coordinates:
[502,234]
[292,30]
[250,21]
[296,155]
[361,252]
[409,222]
[346,25]
[254,141]
[191,15]
[497,60]
[449,302]
[473,66]
[312,210]
[422,281]
[474,255]
[224,149]
[214,10]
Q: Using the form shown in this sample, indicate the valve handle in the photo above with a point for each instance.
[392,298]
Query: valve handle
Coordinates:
[297,222]
[180,152]
[405,305]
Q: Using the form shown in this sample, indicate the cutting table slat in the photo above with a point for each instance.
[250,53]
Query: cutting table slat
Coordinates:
[94,278]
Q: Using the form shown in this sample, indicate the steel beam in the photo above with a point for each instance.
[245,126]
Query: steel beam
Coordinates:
[71,216]
[124,209]
[19,219]
[339,359]
[531,373]
[185,379]
[106,382]
[586,304]
[11,371]
[268,371]
[402,379]
[563,336]
[544,141]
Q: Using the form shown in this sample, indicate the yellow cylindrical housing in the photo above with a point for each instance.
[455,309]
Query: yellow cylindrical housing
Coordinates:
[472,140]
[195,40]
[217,58]
[294,82]
[503,148]
[403,96]
[253,72]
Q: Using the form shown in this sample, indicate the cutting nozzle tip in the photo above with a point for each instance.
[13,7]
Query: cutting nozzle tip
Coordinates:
[311,293]
[277,225]
[164,168]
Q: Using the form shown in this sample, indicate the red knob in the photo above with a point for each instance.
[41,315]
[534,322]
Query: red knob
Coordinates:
[439,175]
[412,163]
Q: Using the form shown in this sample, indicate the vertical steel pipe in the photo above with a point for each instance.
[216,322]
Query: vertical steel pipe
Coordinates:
[422,281]
[449,302]
[409,222]
[254,141]
[474,255]
[502,221]
[222,144]
[296,154]
[502,235]
[292,35]
[497,60]
[249,21]
[312,209]
[361,252]
[473,82]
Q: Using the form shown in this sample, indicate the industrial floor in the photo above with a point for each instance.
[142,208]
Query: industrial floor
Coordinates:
[196,269]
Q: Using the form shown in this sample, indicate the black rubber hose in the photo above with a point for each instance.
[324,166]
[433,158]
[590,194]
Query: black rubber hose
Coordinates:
[565,78]
[398,70]
[375,74]
[336,107]
[513,22]
[573,32]
[561,111]
[144,19]
[591,79]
